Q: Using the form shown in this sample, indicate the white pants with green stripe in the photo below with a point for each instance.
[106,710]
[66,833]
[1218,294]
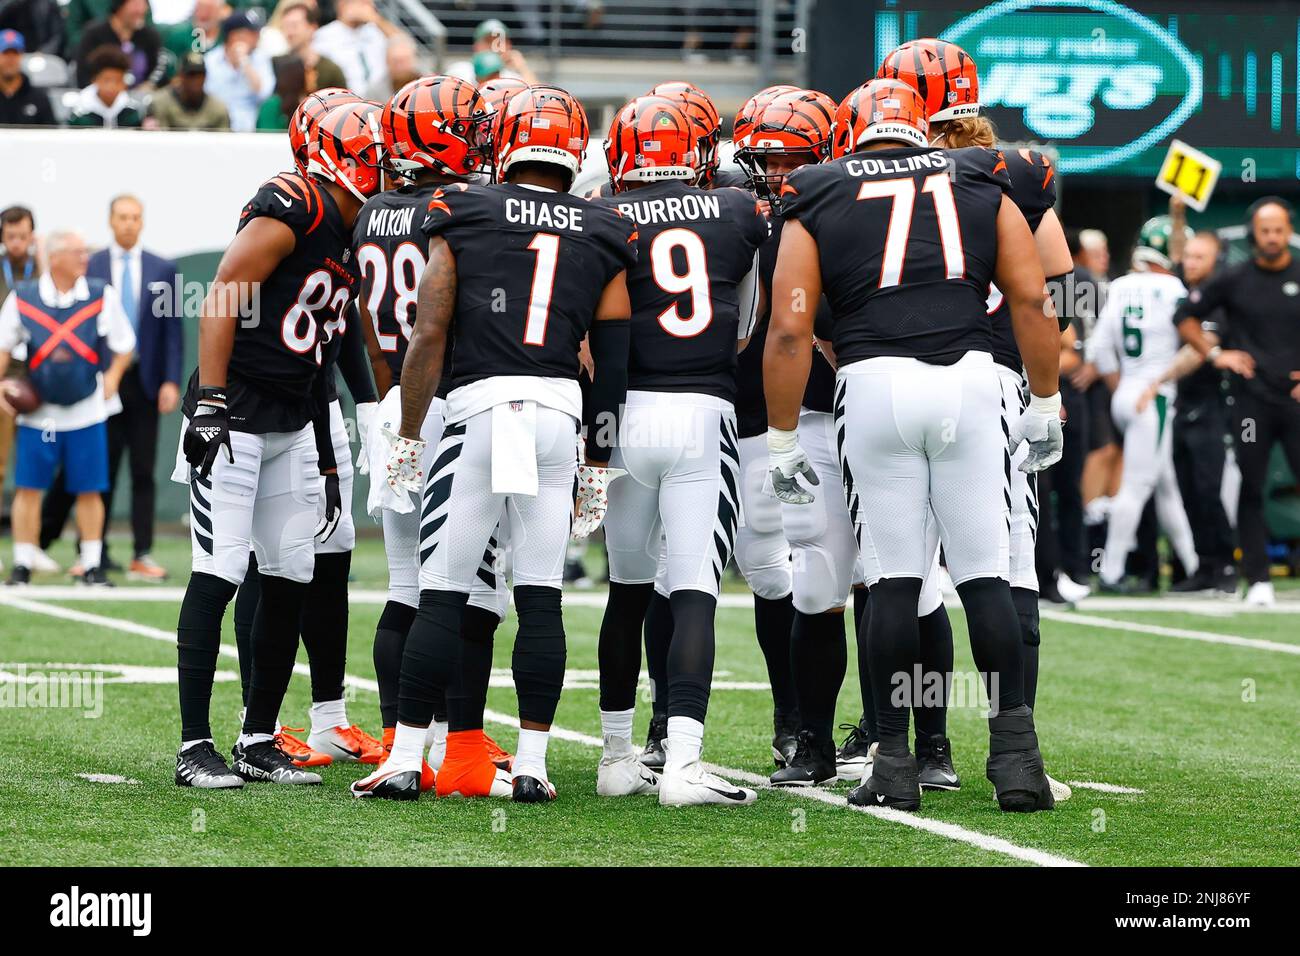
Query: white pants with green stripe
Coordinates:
[1148,470]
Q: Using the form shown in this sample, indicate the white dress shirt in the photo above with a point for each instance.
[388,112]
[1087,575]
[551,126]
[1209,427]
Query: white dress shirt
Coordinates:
[114,326]
[361,53]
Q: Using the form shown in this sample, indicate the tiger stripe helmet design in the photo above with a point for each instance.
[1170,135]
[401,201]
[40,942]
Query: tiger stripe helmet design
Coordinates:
[440,123]
[348,148]
[699,109]
[302,123]
[496,93]
[795,123]
[942,73]
[879,110]
[651,140]
[749,112]
[541,124]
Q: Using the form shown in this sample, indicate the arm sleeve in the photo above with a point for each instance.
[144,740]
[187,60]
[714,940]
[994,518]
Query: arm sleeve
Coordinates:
[320,423]
[354,363]
[610,341]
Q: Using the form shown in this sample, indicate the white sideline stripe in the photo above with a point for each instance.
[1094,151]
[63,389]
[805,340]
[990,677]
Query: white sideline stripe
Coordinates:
[106,778]
[981,841]
[1111,624]
[1102,787]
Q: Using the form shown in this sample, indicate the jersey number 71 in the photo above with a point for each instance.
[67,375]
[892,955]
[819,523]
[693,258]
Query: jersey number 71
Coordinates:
[902,192]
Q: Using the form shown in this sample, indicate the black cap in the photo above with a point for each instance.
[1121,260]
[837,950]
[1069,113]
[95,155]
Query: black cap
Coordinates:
[191,64]
[239,20]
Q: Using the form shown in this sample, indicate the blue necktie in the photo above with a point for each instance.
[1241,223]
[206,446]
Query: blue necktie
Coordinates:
[128,295]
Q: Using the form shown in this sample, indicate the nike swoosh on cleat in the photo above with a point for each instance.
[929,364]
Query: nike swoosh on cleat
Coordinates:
[729,794]
[880,798]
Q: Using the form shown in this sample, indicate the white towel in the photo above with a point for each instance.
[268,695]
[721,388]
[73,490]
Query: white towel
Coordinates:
[514,448]
[382,495]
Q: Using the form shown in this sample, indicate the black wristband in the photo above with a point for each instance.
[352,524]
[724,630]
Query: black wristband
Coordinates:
[212,395]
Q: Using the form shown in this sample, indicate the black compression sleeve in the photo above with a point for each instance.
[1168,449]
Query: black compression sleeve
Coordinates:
[609,340]
[354,363]
[1056,286]
[321,422]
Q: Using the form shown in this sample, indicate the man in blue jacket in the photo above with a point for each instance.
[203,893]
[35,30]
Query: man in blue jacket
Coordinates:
[150,388]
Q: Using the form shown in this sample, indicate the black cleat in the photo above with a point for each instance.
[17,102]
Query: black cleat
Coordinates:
[526,789]
[813,763]
[653,755]
[1225,582]
[893,783]
[785,733]
[934,763]
[97,578]
[855,753]
[19,576]
[1015,767]
[201,766]
[266,763]
[401,785]
[1195,584]
[1121,588]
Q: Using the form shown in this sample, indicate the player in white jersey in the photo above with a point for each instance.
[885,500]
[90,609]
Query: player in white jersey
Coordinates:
[1135,340]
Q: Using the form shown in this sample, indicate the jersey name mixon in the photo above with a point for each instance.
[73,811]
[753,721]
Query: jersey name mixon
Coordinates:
[527,212]
[390,222]
[671,209]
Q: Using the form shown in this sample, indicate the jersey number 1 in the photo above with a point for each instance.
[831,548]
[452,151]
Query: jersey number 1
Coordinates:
[547,248]
[903,194]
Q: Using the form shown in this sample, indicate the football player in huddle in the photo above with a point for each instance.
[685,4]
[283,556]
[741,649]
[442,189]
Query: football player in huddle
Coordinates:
[694,296]
[526,271]
[436,132]
[945,76]
[918,400]
[257,436]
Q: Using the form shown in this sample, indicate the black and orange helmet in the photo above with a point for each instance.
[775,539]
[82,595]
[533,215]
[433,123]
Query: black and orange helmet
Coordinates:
[699,109]
[541,124]
[747,115]
[497,92]
[876,110]
[348,148]
[794,123]
[650,140]
[308,113]
[941,72]
[439,123]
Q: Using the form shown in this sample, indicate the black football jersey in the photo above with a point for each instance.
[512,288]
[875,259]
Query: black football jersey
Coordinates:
[531,266]
[391,250]
[694,247]
[908,243]
[1033,190]
[299,308]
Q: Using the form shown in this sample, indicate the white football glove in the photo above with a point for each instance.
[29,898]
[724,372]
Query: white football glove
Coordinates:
[365,421]
[593,498]
[404,470]
[787,461]
[1040,425]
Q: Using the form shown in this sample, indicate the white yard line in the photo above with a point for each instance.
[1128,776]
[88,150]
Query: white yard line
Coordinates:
[1087,620]
[951,831]
[1102,787]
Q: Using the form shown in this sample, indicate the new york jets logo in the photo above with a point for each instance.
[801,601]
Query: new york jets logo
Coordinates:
[1105,86]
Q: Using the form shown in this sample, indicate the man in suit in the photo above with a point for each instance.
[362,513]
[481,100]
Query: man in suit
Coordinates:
[150,388]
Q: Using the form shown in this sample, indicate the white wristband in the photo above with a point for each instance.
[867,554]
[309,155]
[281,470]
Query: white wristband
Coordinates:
[780,440]
[1051,405]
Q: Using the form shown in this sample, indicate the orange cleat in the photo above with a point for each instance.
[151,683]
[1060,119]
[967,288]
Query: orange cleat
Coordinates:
[497,755]
[426,772]
[299,752]
[467,771]
[348,745]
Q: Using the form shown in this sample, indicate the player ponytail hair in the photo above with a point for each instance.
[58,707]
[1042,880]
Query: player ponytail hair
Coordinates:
[966,131]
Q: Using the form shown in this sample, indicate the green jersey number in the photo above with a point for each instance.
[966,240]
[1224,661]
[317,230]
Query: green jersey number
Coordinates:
[1132,332]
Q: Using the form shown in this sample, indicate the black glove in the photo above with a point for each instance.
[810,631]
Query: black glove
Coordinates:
[208,432]
[333,507]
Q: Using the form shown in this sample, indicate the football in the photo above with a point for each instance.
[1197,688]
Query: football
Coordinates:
[22,395]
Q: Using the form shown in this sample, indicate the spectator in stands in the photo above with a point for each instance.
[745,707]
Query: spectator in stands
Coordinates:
[75,378]
[492,36]
[201,32]
[106,102]
[239,74]
[184,104]
[78,14]
[403,60]
[21,104]
[39,21]
[17,264]
[358,41]
[293,81]
[298,24]
[127,30]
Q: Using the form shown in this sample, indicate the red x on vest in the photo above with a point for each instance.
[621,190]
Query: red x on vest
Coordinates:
[65,332]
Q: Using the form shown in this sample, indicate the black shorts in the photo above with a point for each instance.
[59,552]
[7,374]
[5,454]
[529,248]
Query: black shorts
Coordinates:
[1101,427]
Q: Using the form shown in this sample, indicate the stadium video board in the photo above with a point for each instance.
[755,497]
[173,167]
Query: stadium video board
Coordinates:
[1109,83]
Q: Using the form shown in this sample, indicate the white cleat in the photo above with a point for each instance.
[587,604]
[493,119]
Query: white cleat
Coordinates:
[871,761]
[1071,590]
[1260,594]
[621,774]
[436,742]
[44,564]
[686,785]
[1060,791]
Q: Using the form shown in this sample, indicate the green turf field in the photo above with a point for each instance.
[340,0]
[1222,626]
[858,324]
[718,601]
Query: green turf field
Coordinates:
[1205,734]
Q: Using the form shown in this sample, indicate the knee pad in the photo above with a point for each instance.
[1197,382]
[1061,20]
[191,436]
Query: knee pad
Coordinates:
[1026,603]
[817,587]
[770,583]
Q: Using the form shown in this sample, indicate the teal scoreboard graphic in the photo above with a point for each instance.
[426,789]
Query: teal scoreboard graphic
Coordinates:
[1109,84]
